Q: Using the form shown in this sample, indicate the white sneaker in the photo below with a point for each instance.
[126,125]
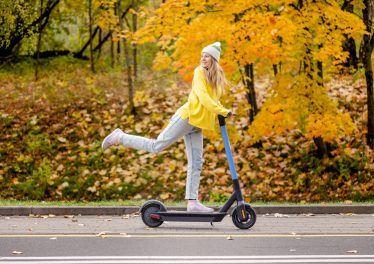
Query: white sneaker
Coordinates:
[112,139]
[196,206]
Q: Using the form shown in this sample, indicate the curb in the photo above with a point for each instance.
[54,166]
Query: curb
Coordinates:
[123,210]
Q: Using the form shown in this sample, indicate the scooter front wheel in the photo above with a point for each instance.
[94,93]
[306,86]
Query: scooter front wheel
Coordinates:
[244,224]
[149,208]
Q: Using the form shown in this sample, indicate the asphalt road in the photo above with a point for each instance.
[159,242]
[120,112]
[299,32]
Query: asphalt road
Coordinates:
[109,239]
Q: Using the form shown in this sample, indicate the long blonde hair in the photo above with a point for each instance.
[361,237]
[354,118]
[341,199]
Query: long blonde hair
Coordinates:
[216,77]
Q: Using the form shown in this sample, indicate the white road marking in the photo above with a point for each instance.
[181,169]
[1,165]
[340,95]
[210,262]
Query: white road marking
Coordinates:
[192,259]
[180,235]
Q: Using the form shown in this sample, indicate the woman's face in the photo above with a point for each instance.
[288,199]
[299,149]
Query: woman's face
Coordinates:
[206,60]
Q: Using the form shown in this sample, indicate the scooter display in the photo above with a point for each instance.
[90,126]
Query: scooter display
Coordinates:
[154,213]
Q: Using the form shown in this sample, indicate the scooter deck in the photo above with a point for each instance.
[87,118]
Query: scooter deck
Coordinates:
[184,216]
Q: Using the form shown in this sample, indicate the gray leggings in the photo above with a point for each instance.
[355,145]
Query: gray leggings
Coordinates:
[193,138]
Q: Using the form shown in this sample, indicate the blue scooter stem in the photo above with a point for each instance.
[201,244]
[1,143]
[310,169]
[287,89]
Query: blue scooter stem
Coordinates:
[243,215]
[226,142]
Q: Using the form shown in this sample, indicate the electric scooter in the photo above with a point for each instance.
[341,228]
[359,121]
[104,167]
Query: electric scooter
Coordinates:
[154,213]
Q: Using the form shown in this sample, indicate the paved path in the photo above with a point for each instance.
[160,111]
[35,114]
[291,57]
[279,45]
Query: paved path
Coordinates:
[133,225]
[275,238]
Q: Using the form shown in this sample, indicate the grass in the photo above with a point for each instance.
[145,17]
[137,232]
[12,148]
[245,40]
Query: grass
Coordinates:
[167,203]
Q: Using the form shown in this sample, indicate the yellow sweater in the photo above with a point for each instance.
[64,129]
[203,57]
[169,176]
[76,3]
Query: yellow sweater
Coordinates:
[203,104]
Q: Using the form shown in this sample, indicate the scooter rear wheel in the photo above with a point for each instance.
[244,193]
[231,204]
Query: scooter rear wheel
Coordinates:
[149,209]
[244,224]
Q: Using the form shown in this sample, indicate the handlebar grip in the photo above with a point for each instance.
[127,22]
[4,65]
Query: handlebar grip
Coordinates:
[222,121]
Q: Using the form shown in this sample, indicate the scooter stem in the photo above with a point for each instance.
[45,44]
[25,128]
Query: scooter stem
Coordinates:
[226,142]
[230,160]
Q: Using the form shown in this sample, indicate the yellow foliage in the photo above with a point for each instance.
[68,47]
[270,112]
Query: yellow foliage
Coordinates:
[329,126]
[299,103]
[140,96]
[162,61]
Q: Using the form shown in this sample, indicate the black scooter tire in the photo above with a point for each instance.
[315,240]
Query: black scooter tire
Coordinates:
[251,217]
[151,208]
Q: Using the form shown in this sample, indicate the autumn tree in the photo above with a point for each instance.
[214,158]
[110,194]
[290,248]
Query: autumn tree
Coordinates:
[20,20]
[113,18]
[298,40]
[299,98]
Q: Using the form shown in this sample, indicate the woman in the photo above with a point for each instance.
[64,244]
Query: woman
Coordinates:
[200,112]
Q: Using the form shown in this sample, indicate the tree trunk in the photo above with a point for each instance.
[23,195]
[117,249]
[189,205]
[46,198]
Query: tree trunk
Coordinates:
[79,54]
[134,46]
[368,44]
[98,47]
[102,41]
[251,93]
[90,32]
[118,57]
[320,73]
[112,50]
[128,65]
[275,69]
[39,44]
[321,147]
[320,143]
[309,71]
[349,44]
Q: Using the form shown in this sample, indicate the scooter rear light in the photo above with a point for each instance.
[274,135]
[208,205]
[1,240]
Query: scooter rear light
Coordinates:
[155,217]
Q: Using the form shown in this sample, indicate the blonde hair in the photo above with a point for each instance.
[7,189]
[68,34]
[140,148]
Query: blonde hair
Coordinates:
[215,76]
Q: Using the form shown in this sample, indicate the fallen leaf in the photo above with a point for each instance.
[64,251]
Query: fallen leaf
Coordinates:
[280,215]
[68,216]
[61,139]
[101,234]
[309,214]
[108,220]
[347,214]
